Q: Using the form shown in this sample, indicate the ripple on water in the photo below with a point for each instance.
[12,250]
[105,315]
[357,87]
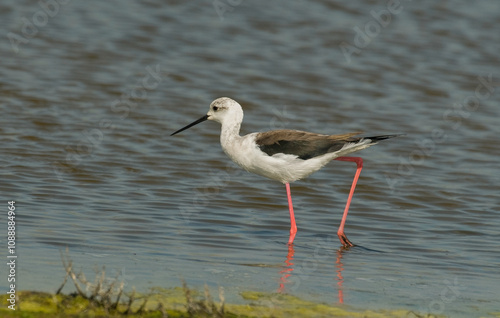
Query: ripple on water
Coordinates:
[159,208]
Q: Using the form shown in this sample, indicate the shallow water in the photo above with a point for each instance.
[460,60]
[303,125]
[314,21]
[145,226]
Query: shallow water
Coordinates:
[88,102]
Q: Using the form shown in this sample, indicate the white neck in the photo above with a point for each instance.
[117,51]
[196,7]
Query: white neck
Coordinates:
[229,132]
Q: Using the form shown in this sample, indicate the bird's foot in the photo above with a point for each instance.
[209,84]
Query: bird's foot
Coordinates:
[344,240]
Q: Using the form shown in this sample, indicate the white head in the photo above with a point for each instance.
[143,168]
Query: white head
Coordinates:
[223,110]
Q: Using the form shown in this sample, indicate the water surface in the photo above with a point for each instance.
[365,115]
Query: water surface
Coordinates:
[88,103]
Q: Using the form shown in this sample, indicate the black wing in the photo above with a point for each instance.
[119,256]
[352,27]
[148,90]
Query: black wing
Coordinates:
[303,144]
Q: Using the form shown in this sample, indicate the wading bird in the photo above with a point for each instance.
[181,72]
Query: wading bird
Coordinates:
[285,155]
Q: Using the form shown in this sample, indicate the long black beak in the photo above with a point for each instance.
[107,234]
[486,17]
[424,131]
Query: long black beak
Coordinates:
[202,119]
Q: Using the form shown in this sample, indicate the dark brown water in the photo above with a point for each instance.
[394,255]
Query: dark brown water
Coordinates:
[90,92]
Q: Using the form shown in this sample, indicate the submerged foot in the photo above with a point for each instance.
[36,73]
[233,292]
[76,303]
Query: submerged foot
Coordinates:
[292,237]
[344,240]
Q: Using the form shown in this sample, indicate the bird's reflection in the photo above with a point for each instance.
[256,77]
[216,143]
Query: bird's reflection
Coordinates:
[287,269]
[339,267]
[288,281]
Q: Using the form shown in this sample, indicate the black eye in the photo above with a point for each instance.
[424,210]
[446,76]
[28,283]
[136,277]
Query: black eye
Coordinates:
[215,108]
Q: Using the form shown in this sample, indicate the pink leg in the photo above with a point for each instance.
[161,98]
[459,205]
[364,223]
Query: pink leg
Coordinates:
[293,227]
[340,232]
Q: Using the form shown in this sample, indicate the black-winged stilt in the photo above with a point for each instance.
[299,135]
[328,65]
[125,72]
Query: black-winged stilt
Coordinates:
[285,155]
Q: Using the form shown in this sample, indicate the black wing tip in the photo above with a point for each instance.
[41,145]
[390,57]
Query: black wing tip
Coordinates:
[383,137]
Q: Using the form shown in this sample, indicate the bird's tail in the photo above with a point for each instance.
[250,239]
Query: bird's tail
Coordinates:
[362,143]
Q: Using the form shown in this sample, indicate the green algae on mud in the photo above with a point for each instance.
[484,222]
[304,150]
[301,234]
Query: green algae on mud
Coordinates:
[182,302]
[106,297]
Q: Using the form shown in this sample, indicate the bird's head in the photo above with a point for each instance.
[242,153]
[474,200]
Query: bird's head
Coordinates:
[223,110]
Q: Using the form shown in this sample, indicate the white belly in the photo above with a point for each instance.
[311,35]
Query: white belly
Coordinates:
[280,167]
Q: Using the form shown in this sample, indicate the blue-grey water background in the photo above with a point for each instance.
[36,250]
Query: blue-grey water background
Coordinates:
[90,92]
